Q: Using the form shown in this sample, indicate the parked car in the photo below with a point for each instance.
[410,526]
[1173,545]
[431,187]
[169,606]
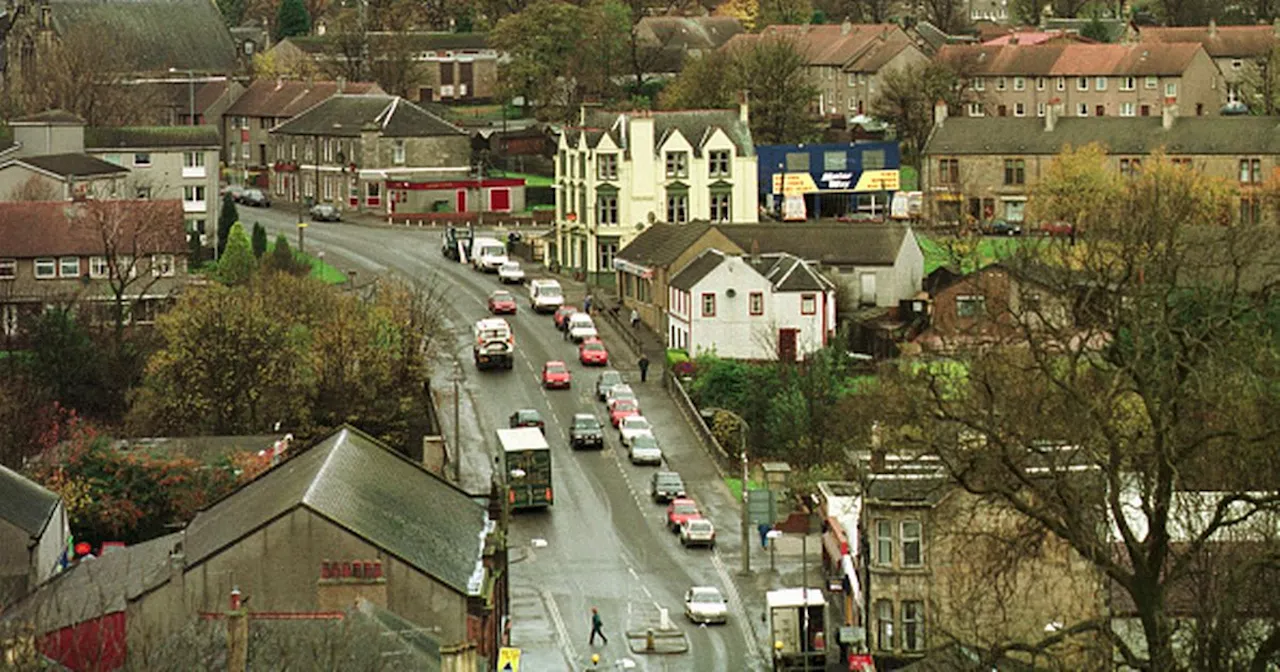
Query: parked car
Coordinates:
[501,302]
[698,532]
[593,353]
[621,391]
[1000,227]
[623,408]
[325,212]
[586,432]
[705,604]
[255,198]
[1056,228]
[582,327]
[633,426]
[561,316]
[666,486]
[644,449]
[555,375]
[680,510]
[527,417]
[510,273]
[606,381]
[236,191]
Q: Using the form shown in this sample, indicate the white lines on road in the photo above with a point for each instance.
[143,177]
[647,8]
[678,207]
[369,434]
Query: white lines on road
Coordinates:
[731,592]
[562,631]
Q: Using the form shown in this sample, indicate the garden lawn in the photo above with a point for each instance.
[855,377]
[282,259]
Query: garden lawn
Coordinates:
[909,178]
[735,487]
[988,251]
[529,180]
[320,269]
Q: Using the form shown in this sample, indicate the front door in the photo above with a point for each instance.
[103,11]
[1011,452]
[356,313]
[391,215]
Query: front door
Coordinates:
[466,79]
[462,200]
[787,344]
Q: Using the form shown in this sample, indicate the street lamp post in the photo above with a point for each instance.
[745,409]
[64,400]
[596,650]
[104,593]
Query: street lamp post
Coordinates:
[743,428]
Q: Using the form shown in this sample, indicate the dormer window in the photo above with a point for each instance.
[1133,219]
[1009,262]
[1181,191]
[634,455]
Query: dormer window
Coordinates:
[606,167]
[718,163]
[677,164]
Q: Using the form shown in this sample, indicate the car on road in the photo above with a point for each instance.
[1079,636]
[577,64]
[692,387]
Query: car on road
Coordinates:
[586,432]
[556,375]
[680,510]
[705,604]
[561,316]
[593,353]
[606,381]
[644,449]
[1000,227]
[527,417]
[582,327]
[325,212]
[255,198]
[546,296]
[1056,229]
[510,273]
[501,302]
[698,532]
[236,191]
[633,426]
[623,408]
[666,486]
[488,254]
[620,391]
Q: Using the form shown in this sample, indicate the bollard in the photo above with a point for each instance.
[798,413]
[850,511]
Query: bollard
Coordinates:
[649,643]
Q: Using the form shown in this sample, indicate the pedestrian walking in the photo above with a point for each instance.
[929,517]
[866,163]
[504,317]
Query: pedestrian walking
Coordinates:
[586,304]
[764,535]
[635,319]
[597,628]
[644,368]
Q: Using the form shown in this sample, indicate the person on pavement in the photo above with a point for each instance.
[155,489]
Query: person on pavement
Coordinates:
[597,628]
[644,368]
[586,305]
[635,319]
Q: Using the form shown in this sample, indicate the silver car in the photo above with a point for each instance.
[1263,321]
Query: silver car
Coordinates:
[705,604]
[698,532]
[644,450]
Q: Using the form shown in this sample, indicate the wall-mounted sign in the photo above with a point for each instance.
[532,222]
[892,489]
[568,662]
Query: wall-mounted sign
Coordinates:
[836,180]
[878,180]
[793,209]
[789,184]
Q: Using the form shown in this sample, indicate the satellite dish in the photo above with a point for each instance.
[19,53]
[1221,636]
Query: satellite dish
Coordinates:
[651,217]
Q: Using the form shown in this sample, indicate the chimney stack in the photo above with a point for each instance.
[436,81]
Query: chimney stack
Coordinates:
[1213,28]
[1051,112]
[939,112]
[1169,112]
[342,84]
[846,27]
[744,107]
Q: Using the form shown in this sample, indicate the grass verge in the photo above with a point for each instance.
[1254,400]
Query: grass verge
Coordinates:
[735,487]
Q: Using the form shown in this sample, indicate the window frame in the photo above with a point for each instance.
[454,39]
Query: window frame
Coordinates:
[904,541]
[607,167]
[707,304]
[1082,83]
[915,608]
[1002,83]
[1100,83]
[99,268]
[719,163]
[721,206]
[156,270]
[979,84]
[1019,83]
[949,171]
[398,151]
[884,543]
[607,204]
[676,164]
[809,303]
[1082,110]
[142,160]
[755,303]
[1151,82]
[52,265]
[1015,172]
[678,208]
[979,302]
[1170,89]
[1129,83]
[1250,170]
[884,625]
[62,267]
[8,268]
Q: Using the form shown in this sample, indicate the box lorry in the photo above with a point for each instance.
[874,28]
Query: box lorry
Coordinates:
[797,628]
[526,464]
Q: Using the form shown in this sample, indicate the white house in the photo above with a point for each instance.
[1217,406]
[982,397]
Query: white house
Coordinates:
[762,307]
[619,172]
[33,535]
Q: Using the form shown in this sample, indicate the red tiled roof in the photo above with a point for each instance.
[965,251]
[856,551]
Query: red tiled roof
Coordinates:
[52,228]
[1032,37]
[829,45]
[1071,59]
[284,98]
[1219,41]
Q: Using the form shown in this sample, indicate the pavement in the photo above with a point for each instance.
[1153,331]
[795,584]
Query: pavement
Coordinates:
[603,543]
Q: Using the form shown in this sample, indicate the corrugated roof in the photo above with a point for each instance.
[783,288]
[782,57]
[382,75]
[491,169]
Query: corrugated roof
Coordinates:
[1070,59]
[159,34]
[696,270]
[283,98]
[1218,41]
[346,115]
[24,503]
[151,137]
[828,244]
[72,165]
[1243,135]
[366,488]
[39,229]
[660,244]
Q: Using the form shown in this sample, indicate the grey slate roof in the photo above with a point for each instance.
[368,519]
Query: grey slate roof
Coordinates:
[51,117]
[924,490]
[789,273]
[695,125]
[696,270]
[364,487]
[73,165]
[160,34]
[1121,135]
[661,244]
[346,115]
[827,244]
[151,137]
[24,503]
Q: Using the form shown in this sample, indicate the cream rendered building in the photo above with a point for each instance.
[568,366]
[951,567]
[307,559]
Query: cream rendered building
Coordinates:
[619,172]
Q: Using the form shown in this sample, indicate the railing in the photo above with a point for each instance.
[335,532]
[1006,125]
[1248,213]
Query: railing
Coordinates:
[489,219]
[612,314]
[718,454]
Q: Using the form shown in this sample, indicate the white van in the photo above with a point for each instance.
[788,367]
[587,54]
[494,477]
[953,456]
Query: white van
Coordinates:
[545,295]
[488,254]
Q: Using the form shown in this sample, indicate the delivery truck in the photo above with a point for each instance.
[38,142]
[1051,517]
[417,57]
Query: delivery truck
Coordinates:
[526,463]
[797,625]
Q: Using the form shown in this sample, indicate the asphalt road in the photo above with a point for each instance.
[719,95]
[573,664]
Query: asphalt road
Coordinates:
[603,544]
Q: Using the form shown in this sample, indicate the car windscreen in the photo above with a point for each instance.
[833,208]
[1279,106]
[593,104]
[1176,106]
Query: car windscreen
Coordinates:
[686,508]
[493,251]
[644,441]
[548,290]
[586,423]
[669,479]
[493,334]
[555,368]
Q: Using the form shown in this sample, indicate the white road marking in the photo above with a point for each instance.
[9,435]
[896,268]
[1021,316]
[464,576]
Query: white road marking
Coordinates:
[562,631]
[731,592]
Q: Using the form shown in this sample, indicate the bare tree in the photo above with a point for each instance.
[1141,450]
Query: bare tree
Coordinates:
[34,188]
[86,74]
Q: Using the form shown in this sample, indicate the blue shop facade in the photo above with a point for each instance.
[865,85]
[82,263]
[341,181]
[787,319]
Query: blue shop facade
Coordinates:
[853,181]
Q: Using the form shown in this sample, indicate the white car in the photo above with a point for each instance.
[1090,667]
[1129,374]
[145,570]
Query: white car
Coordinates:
[698,532]
[705,604]
[633,426]
[644,450]
[581,327]
[510,273]
[620,391]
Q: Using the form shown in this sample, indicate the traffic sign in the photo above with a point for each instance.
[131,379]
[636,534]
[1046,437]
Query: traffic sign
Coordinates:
[509,659]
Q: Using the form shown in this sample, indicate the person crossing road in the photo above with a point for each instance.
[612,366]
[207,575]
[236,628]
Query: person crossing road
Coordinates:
[597,627]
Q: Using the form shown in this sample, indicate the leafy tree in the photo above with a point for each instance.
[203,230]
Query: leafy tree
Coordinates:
[702,84]
[227,217]
[606,40]
[1095,29]
[1144,370]
[282,259]
[947,15]
[259,240]
[232,11]
[237,264]
[907,98]
[68,364]
[783,12]
[292,19]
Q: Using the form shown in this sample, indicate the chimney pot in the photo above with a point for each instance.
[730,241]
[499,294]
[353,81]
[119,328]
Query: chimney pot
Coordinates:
[1051,114]
[846,27]
[744,107]
[1213,28]
[940,112]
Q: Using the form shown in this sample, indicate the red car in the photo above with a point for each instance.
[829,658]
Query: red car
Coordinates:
[562,315]
[501,302]
[555,375]
[680,511]
[1056,229]
[592,353]
[623,408]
